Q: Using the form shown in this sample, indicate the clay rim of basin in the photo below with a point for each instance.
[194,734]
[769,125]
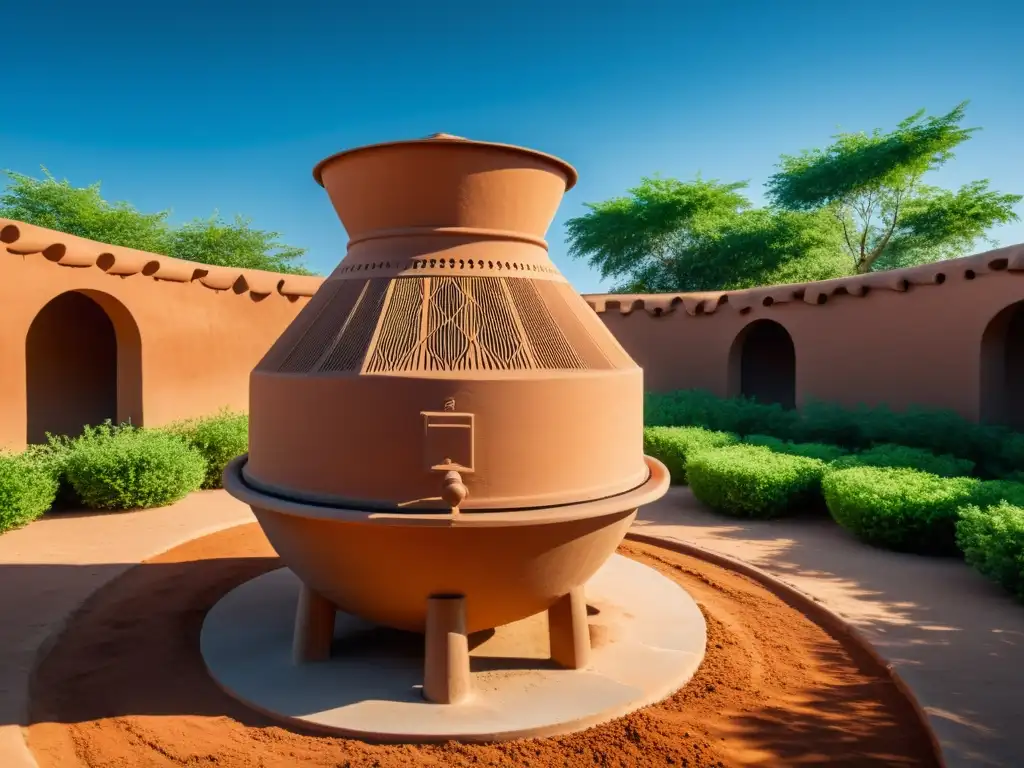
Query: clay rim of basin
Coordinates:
[442,139]
[651,490]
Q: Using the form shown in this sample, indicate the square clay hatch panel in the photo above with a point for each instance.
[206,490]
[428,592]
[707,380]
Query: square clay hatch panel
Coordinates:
[448,440]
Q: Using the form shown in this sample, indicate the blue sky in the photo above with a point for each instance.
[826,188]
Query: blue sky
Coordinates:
[228,105]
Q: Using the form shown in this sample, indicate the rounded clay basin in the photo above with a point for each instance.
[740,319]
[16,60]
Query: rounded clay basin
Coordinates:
[383,567]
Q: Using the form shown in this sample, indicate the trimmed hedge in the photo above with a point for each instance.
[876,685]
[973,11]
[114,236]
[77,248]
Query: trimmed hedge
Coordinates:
[900,509]
[27,490]
[905,457]
[754,481]
[809,450]
[127,468]
[992,541]
[675,446]
[990,493]
[996,451]
[219,439]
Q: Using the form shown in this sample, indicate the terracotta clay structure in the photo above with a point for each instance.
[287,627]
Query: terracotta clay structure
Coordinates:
[948,335]
[93,332]
[151,339]
[446,439]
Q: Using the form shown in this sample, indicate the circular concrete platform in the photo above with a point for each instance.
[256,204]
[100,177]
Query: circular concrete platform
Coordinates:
[648,639]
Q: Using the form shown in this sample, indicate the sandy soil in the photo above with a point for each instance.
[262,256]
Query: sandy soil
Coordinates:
[125,687]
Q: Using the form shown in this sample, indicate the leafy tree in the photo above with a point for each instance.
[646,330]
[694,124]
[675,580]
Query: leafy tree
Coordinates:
[763,247]
[668,235]
[82,211]
[857,205]
[235,244]
[872,184]
[641,236]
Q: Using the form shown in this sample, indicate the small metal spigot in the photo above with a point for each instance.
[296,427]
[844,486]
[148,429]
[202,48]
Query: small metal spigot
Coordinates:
[453,490]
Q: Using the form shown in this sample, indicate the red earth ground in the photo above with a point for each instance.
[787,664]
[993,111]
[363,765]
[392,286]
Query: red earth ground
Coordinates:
[125,687]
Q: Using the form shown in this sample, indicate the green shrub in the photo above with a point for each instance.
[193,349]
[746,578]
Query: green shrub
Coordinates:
[905,457]
[808,450]
[753,481]
[27,490]
[996,451]
[675,446]
[127,468]
[1013,477]
[219,439]
[52,457]
[993,492]
[992,540]
[696,408]
[900,509]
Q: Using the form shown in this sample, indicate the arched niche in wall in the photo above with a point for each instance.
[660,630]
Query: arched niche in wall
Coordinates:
[1002,368]
[762,364]
[83,363]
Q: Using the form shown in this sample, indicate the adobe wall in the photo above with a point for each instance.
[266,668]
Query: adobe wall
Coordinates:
[901,338]
[187,334]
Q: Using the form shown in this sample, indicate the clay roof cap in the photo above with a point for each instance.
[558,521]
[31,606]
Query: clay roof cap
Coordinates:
[571,176]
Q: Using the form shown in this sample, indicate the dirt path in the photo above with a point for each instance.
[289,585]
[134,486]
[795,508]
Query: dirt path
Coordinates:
[125,687]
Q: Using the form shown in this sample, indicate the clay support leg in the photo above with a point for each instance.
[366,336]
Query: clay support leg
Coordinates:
[314,627]
[568,630]
[446,677]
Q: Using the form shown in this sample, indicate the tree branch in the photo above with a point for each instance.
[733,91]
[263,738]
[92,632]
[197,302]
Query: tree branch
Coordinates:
[865,265]
[840,214]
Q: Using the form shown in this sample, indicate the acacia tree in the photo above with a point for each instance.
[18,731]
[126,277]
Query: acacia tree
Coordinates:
[857,205]
[234,244]
[641,236]
[873,185]
[56,204]
[81,211]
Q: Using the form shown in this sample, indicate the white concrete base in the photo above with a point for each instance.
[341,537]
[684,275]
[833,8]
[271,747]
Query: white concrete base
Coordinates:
[648,639]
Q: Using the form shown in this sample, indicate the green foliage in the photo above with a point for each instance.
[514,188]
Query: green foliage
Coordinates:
[856,205]
[698,408]
[989,493]
[992,540]
[82,211]
[995,450]
[872,186]
[762,247]
[637,236]
[52,458]
[127,468]
[27,490]
[753,481]
[820,451]
[675,446]
[900,509]
[234,244]
[219,439]
[889,455]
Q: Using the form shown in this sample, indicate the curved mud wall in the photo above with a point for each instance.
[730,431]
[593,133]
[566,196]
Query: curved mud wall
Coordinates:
[179,341]
[946,335]
[180,338]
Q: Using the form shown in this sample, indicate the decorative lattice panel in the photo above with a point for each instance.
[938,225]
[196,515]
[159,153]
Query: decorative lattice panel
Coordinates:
[442,323]
[550,347]
[334,308]
[398,341]
[565,307]
[354,337]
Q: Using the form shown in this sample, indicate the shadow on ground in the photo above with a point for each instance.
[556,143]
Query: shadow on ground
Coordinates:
[954,636]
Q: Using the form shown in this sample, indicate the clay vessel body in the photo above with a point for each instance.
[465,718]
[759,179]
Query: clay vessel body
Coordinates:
[385,573]
[446,341]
